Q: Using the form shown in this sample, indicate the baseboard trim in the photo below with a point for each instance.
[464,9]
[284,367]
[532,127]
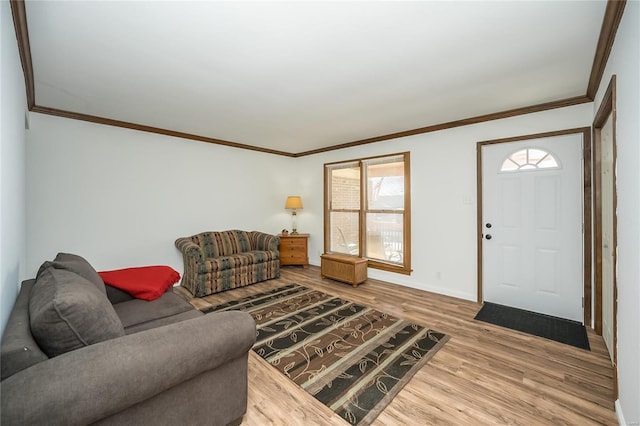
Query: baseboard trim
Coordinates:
[619,414]
[395,279]
[383,276]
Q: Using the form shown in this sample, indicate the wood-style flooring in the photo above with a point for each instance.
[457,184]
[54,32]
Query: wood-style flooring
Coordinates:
[484,374]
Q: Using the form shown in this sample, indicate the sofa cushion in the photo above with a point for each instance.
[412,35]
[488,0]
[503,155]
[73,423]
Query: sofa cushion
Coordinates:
[238,260]
[224,243]
[262,241]
[161,322]
[115,295]
[68,312]
[145,282]
[78,265]
[135,312]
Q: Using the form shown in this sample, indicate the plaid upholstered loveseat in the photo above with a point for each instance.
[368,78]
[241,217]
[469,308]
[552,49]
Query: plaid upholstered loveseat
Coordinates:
[219,261]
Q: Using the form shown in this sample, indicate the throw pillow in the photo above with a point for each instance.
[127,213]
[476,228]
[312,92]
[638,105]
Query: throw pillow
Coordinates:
[78,265]
[143,282]
[67,312]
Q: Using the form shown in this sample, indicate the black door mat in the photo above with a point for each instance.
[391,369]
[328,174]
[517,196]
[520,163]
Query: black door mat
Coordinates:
[561,330]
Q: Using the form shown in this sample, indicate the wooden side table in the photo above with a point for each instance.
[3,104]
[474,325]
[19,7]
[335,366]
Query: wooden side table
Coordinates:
[294,250]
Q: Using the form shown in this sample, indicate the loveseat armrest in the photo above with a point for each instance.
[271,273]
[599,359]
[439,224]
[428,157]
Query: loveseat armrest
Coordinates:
[263,241]
[189,249]
[97,381]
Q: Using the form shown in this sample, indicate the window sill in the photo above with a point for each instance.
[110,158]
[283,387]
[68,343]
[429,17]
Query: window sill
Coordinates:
[383,266]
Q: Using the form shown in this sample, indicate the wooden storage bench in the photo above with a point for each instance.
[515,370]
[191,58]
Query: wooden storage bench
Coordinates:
[342,267]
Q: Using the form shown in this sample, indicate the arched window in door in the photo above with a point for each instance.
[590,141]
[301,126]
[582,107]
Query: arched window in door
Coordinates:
[529,159]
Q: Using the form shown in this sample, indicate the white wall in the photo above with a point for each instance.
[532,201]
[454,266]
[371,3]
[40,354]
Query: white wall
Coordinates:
[624,62]
[443,196]
[120,197]
[12,166]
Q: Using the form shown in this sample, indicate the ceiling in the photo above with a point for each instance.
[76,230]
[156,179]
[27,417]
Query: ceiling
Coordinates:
[297,77]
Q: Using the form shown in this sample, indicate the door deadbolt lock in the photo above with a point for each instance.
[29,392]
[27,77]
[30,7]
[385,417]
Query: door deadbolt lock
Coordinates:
[488,236]
[488,225]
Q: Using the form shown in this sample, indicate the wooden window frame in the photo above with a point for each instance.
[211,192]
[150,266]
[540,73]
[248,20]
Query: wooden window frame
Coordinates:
[362,212]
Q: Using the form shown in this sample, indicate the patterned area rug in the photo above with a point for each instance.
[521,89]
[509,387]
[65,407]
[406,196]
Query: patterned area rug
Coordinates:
[352,358]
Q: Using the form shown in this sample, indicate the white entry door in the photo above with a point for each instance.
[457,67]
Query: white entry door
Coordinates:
[532,225]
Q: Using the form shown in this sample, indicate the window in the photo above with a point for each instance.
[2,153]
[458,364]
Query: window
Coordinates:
[367,210]
[529,159]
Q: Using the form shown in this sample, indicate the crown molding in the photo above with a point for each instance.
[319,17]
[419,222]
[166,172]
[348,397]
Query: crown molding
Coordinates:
[151,129]
[19,13]
[458,123]
[611,21]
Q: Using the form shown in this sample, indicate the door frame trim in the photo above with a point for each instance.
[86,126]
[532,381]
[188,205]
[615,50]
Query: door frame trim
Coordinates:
[586,207]
[607,108]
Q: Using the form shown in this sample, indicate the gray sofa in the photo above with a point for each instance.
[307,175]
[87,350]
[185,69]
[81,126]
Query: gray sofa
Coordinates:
[77,352]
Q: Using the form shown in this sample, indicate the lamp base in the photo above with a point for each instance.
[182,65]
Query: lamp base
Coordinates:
[294,225]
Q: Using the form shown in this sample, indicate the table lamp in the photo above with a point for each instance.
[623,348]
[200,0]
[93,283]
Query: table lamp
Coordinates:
[293,202]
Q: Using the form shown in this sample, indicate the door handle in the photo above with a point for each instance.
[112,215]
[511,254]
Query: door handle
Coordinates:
[488,236]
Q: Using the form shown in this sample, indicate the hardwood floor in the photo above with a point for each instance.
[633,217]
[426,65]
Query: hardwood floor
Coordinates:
[483,375]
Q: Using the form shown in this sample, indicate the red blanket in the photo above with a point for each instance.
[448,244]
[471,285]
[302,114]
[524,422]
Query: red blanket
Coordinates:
[144,282]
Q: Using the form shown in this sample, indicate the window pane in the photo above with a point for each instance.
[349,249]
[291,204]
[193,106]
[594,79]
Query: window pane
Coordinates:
[529,159]
[520,157]
[535,155]
[345,188]
[344,233]
[548,162]
[385,186]
[508,166]
[385,237]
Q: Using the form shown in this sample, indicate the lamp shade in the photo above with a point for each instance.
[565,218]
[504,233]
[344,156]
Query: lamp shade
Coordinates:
[293,202]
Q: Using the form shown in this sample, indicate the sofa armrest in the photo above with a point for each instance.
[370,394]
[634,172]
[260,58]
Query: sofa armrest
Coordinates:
[189,249]
[263,241]
[97,381]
